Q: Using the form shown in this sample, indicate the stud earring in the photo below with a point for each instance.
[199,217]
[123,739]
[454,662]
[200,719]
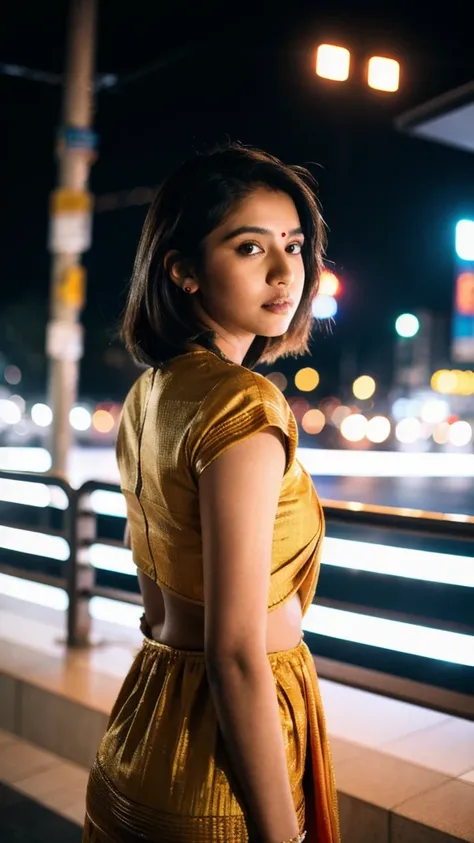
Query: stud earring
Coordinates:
[187,289]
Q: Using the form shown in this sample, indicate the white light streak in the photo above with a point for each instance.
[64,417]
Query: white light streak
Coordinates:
[404,562]
[25,459]
[33,592]
[415,640]
[38,544]
[116,559]
[108,503]
[348,463]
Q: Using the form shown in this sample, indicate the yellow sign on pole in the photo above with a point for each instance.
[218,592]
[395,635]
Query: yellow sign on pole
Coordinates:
[71,289]
[67,201]
[70,229]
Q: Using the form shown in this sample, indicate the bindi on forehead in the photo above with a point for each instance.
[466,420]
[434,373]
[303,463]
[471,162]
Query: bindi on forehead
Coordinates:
[283,233]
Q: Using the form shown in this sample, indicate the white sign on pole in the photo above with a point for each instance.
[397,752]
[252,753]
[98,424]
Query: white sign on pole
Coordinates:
[64,340]
[70,232]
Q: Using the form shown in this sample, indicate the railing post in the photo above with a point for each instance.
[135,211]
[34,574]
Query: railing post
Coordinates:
[81,574]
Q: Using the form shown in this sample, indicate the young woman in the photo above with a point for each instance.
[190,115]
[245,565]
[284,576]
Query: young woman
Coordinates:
[218,733]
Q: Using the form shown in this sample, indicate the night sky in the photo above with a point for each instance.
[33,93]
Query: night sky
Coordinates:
[192,74]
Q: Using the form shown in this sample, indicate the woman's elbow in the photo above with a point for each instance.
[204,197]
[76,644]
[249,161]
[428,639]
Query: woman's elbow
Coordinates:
[224,662]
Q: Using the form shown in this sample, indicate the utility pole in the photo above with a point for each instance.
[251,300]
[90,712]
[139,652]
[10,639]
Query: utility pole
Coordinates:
[70,228]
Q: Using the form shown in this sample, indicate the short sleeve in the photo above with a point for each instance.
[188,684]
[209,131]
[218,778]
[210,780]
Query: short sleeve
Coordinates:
[240,405]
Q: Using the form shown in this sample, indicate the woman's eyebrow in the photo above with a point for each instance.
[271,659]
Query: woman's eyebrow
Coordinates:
[255,229]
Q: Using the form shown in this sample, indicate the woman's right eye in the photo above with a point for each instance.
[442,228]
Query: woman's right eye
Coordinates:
[248,249]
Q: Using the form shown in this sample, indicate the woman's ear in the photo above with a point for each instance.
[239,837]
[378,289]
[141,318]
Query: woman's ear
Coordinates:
[180,271]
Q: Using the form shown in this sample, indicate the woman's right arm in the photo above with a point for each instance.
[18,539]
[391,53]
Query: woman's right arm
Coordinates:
[239,494]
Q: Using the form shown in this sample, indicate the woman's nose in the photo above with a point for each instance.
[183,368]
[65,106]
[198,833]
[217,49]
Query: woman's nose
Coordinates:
[280,271]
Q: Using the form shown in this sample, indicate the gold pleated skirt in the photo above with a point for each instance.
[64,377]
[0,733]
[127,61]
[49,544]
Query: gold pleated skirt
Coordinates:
[162,773]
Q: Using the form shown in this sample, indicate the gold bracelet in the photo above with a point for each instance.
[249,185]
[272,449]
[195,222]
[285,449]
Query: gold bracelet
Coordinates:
[298,839]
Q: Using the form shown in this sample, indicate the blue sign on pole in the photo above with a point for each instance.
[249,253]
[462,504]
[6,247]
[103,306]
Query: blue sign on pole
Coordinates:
[79,138]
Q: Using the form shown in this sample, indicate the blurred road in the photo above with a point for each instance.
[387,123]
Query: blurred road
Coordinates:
[438,494]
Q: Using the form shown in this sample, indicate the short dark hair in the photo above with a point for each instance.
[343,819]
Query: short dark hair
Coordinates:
[159,321]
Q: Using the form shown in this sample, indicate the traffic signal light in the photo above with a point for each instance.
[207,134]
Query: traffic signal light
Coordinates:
[462,346]
[407,325]
[325,304]
[465,240]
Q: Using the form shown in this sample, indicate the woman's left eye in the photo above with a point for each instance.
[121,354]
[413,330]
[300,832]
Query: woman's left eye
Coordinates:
[295,247]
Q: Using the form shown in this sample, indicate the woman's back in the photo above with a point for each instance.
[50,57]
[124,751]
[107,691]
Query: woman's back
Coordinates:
[176,421]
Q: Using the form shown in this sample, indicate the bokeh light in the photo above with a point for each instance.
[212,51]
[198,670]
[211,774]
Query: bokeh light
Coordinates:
[443,381]
[453,381]
[103,421]
[354,427]
[313,421]
[408,430]
[12,375]
[460,433]
[363,387]
[299,406]
[328,405]
[407,325]
[80,418]
[465,240]
[42,415]
[329,284]
[21,428]
[425,430]
[306,379]
[339,414]
[9,412]
[465,383]
[400,409]
[378,429]
[19,401]
[441,433]
[434,410]
[324,307]
[279,379]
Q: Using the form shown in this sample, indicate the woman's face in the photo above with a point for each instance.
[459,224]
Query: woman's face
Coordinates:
[252,259]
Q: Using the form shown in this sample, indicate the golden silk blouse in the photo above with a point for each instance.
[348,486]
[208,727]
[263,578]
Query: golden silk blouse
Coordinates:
[176,420]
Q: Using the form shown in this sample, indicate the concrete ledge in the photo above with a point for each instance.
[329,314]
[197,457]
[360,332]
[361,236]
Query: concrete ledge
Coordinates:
[51,721]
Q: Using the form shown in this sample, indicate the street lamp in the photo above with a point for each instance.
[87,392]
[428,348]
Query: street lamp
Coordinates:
[334,62]
[383,74]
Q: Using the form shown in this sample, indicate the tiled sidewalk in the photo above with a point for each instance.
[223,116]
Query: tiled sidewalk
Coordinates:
[41,795]
[23,819]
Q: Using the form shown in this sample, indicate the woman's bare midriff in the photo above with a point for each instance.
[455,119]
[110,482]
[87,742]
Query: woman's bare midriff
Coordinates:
[183,627]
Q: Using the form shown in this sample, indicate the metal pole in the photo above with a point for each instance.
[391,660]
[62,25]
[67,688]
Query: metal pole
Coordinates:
[82,530]
[70,228]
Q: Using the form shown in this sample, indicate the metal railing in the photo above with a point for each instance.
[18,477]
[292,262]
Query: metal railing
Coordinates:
[418,522]
[79,529]
[80,526]
[77,581]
